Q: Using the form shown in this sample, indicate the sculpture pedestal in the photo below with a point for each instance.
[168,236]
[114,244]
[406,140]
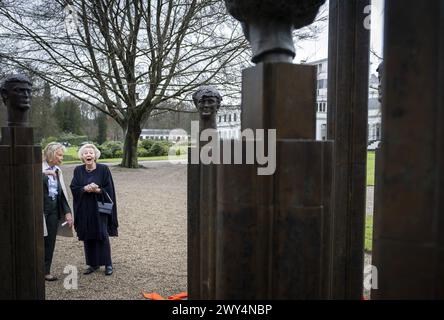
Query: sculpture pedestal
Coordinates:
[273,231]
[21,208]
[193,228]
[280,96]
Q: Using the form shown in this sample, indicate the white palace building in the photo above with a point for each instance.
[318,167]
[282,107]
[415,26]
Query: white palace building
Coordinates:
[228,120]
[229,125]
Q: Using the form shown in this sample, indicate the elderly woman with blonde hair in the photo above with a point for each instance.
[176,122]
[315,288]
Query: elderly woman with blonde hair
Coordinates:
[55,202]
[93,182]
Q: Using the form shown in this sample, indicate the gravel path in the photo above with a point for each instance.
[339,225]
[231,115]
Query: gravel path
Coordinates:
[150,253]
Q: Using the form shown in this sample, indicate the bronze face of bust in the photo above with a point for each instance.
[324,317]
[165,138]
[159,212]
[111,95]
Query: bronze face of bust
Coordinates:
[16,94]
[207,101]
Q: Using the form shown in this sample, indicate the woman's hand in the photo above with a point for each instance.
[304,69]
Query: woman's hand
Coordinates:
[50,173]
[95,188]
[68,218]
[92,187]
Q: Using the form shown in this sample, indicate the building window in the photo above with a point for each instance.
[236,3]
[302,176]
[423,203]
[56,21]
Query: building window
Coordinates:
[378,131]
[225,118]
[229,117]
[235,117]
[220,118]
[324,131]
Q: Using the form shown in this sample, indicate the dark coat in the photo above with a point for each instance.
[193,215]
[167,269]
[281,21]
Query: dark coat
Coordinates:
[63,206]
[63,203]
[87,220]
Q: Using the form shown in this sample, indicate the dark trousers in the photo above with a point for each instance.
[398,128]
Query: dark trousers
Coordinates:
[51,217]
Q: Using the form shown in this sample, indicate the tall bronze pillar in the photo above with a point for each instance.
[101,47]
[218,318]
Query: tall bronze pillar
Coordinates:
[273,230]
[21,208]
[408,247]
[202,202]
[193,226]
[348,61]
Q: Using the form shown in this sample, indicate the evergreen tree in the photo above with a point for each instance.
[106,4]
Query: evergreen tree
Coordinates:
[102,126]
[67,114]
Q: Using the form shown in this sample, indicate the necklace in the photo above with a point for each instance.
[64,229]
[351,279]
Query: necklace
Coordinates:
[89,170]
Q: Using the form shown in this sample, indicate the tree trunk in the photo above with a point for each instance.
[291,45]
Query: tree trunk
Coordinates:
[132,135]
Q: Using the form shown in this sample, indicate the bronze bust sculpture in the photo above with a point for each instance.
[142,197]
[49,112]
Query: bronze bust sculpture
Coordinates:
[16,94]
[268,25]
[207,101]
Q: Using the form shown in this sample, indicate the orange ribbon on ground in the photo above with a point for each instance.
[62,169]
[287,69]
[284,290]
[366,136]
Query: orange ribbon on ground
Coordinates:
[156,296]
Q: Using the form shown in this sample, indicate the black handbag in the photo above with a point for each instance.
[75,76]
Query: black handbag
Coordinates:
[105,207]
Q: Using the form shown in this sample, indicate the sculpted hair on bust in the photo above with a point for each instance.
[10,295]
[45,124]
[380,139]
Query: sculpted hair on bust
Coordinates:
[14,78]
[207,91]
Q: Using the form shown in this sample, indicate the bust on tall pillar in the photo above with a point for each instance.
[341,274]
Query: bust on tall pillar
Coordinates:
[21,230]
[207,101]
[16,94]
[272,232]
[268,25]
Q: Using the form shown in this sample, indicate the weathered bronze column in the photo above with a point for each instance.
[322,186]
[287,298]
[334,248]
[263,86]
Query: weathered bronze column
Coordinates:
[408,245]
[273,228]
[348,61]
[21,208]
[201,203]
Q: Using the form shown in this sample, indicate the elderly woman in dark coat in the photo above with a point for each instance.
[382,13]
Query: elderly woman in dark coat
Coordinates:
[93,182]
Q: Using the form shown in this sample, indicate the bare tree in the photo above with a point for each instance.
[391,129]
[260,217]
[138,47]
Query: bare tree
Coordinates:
[125,57]
[128,56]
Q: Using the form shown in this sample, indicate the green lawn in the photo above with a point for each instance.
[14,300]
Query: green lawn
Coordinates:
[368,233]
[371,168]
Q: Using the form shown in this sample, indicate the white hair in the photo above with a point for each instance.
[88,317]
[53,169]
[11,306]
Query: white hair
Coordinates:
[50,150]
[90,146]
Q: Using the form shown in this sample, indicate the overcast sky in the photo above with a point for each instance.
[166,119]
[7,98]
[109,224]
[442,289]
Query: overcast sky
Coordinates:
[312,50]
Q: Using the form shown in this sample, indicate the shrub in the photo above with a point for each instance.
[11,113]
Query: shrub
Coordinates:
[166,143]
[109,149]
[147,144]
[72,138]
[47,140]
[158,149]
[142,152]
[68,157]
[106,154]
[118,153]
